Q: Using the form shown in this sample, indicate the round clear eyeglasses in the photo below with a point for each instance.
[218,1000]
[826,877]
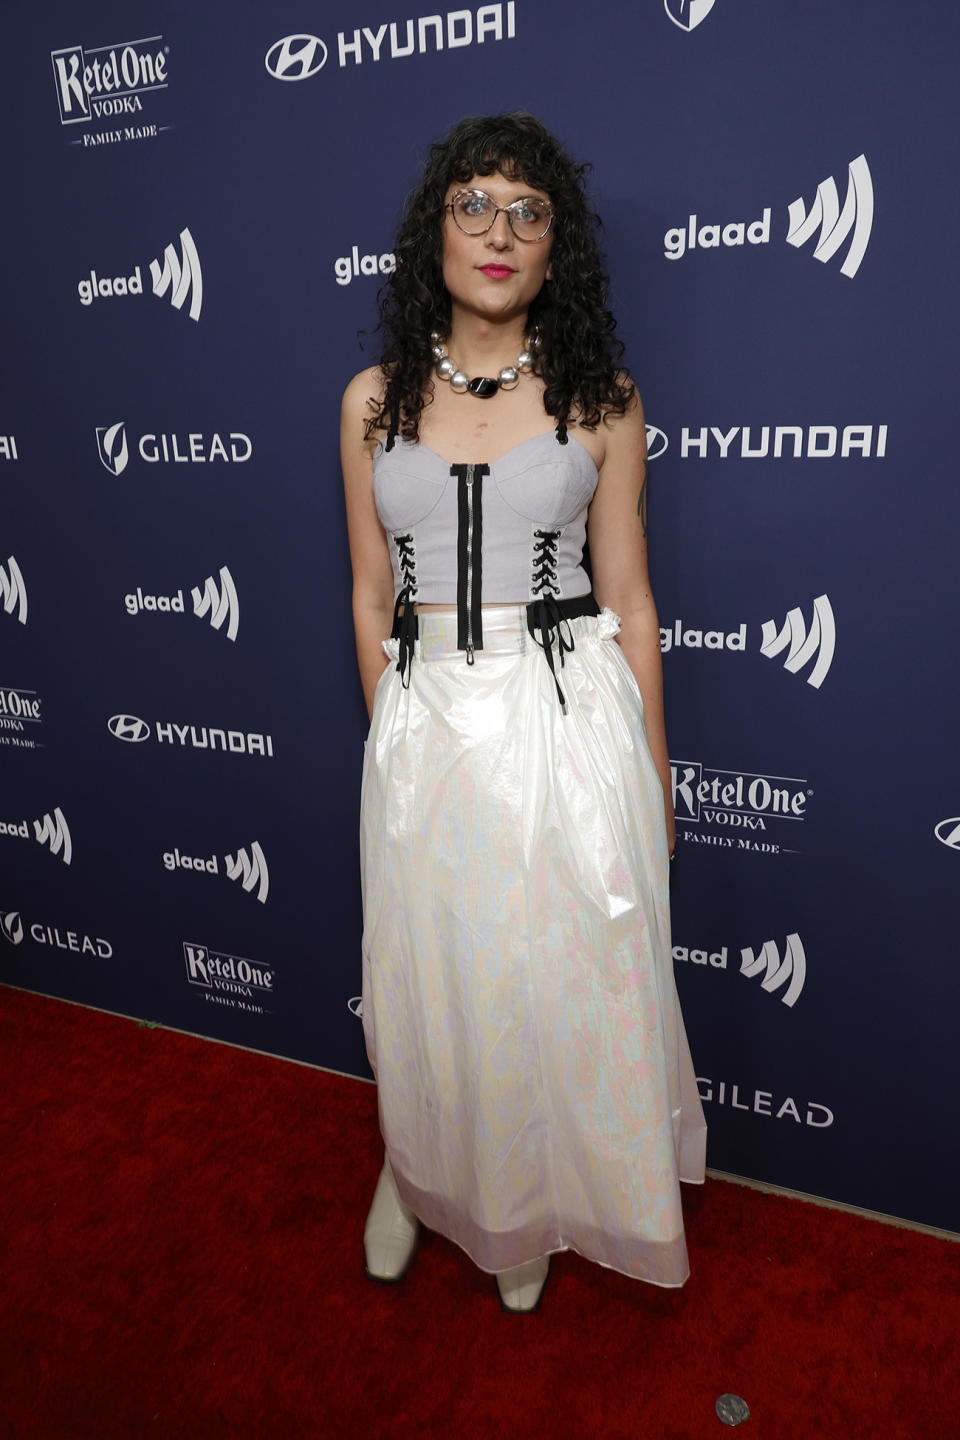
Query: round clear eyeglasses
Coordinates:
[474,212]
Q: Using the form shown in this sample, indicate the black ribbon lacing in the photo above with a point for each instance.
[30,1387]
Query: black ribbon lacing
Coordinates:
[544,614]
[404,628]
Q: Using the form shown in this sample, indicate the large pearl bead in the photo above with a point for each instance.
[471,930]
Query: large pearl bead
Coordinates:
[446,369]
[525,360]
[508,378]
[459,381]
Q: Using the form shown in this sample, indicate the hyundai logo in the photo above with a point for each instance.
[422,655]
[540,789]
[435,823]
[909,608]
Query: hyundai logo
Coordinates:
[296,57]
[948,832]
[128,727]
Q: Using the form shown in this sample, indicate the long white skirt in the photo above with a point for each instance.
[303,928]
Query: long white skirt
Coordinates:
[536,1090]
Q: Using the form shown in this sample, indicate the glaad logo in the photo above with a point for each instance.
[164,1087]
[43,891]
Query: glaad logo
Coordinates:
[818,644]
[819,641]
[776,972]
[8,447]
[11,926]
[13,592]
[52,831]
[53,936]
[229,979]
[182,277]
[55,832]
[348,267]
[250,869]
[112,447]
[835,225]
[180,274]
[220,604]
[355,1006]
[688,13]
[238,742]
[732,800]
[295,57]
[191,449]
[817,1116]
[112,83]
[948,832]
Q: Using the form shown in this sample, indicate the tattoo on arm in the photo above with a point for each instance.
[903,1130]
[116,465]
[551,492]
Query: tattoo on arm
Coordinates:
[642,503]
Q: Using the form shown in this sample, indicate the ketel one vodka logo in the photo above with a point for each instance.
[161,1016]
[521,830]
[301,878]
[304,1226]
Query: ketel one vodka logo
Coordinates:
[854,220]
[249,868]
[179,278]
[108,80]
[219,602]
[730,804]
[229,979]
[193,448]
[51,831]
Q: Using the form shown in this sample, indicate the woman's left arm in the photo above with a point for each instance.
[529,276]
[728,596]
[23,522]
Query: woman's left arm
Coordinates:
[617,532]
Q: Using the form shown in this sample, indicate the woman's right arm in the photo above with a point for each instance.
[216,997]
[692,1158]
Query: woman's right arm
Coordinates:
[369,556]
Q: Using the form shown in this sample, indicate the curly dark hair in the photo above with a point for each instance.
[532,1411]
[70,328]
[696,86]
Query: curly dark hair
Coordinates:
[578,354]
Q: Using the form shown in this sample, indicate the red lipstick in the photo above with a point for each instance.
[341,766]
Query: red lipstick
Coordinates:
[496,272]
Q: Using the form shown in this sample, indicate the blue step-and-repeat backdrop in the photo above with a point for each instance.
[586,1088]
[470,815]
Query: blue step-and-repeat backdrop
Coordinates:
[199,204]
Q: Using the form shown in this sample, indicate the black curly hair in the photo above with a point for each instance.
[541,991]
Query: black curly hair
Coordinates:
[578,352]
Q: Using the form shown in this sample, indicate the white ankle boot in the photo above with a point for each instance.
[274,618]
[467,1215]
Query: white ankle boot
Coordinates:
[391,1231]
[521,1288]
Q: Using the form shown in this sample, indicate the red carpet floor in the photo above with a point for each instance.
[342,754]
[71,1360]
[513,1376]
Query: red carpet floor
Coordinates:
[181,1226]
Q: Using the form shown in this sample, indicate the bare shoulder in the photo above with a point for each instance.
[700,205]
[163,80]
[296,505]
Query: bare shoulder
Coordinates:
[363,397]
[624,433]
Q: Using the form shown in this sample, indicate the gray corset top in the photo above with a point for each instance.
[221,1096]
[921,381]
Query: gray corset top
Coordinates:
[486,533]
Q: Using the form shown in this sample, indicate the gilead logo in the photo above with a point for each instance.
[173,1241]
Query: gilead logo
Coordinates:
[54,937]
[762,1102]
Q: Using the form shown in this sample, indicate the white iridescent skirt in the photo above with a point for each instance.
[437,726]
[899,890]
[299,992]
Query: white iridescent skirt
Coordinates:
[536,1090]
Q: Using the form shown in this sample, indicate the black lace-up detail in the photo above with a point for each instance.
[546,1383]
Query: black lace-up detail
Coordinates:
[405,625]
[544,577]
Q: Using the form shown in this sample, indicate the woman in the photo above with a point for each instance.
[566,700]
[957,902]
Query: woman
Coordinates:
[536,1091]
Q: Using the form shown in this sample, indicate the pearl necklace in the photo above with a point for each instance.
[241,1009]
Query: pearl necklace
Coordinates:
[481,385]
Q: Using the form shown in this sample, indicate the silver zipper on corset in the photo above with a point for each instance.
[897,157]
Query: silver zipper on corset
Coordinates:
[470,659]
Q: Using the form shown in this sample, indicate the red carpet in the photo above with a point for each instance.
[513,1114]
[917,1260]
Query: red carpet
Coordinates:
[181,1256]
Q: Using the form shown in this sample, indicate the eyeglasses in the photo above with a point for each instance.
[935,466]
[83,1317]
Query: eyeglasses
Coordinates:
[474,213]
